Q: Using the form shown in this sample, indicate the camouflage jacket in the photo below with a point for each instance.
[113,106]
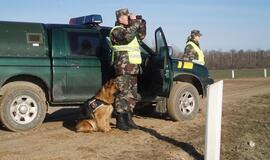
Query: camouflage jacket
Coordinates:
[120,36]
[190,53]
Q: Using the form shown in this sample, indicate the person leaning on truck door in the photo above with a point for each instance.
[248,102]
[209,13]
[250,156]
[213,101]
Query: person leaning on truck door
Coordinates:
[193,51]
[125,36]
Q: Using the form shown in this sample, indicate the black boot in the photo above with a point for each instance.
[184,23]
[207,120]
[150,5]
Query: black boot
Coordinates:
[121,122]
[129,121]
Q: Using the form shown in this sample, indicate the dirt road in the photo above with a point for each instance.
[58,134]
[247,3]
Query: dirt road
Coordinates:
[246,112]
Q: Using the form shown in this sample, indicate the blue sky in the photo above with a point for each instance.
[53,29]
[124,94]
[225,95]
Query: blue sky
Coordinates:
[225,24]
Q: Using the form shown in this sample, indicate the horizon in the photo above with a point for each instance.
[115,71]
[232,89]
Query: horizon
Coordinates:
[225,25]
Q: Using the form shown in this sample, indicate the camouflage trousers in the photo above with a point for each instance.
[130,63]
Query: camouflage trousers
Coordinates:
[127,96]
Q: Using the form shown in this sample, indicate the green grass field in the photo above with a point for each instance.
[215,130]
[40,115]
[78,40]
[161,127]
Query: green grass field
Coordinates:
[241,73]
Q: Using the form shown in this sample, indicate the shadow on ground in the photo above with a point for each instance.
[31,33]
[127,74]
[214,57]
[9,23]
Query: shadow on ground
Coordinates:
[2,127]
[69,116]
[184,146]
[149,111]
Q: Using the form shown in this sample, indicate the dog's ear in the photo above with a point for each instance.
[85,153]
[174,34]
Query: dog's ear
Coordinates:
[101,92]
[110,83]
[106,85]
[106,93]
[110,86]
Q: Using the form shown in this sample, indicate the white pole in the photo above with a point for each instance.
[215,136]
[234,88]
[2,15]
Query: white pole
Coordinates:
[232,74]
[213,122]
[265,73]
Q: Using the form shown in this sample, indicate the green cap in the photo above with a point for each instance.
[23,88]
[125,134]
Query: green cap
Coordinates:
[195,33]
[121,12]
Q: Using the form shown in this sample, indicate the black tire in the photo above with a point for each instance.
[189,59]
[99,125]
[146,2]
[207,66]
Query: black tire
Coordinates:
[23,106]
[179,108]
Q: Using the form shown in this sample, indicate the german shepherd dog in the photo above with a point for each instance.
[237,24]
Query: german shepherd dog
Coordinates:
[99,109]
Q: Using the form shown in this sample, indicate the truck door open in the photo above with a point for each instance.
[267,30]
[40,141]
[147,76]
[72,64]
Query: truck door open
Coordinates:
[164,64]
[156,78]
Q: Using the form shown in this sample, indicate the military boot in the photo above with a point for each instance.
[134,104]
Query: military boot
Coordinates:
[129,121]
[121,122]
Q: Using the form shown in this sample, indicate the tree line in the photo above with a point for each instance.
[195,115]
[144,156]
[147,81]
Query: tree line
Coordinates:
[234,59]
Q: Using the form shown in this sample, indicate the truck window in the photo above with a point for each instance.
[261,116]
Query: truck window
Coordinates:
[84,43]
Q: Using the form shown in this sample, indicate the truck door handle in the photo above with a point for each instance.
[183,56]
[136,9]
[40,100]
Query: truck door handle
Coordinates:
[75,65]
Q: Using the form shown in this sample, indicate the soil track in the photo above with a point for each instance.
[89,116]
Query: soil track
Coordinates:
[246,112]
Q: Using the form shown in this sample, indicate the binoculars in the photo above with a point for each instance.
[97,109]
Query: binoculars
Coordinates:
[138,17]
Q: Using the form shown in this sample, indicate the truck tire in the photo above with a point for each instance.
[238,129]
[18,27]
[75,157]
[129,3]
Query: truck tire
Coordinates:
[23,106]
[183,103]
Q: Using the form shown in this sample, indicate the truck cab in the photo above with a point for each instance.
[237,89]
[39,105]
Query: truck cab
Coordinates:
[47,65]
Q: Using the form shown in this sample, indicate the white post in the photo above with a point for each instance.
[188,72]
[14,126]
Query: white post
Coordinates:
[232,74]
[213,121]
[265,73]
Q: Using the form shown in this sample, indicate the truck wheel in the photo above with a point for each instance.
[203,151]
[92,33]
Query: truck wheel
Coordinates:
[183,103]
[23,106]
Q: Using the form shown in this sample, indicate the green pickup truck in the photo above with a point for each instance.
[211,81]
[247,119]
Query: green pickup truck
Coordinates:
[46,65]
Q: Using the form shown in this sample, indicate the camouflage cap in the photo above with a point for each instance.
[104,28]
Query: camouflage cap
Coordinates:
[195,33]
[121,12]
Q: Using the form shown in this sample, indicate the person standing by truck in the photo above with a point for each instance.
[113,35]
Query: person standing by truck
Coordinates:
[125,36]
[193,51]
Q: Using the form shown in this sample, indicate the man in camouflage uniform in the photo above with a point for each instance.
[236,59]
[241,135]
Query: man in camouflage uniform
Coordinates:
[192,50]
[129,29]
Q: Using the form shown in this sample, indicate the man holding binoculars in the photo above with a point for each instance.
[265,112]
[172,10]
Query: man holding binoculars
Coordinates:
[125,36]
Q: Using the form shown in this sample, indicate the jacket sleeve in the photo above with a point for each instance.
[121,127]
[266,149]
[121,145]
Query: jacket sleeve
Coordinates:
[123,36]
[142,30]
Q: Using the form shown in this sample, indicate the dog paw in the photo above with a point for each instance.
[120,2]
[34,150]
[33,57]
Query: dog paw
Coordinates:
[107,130]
